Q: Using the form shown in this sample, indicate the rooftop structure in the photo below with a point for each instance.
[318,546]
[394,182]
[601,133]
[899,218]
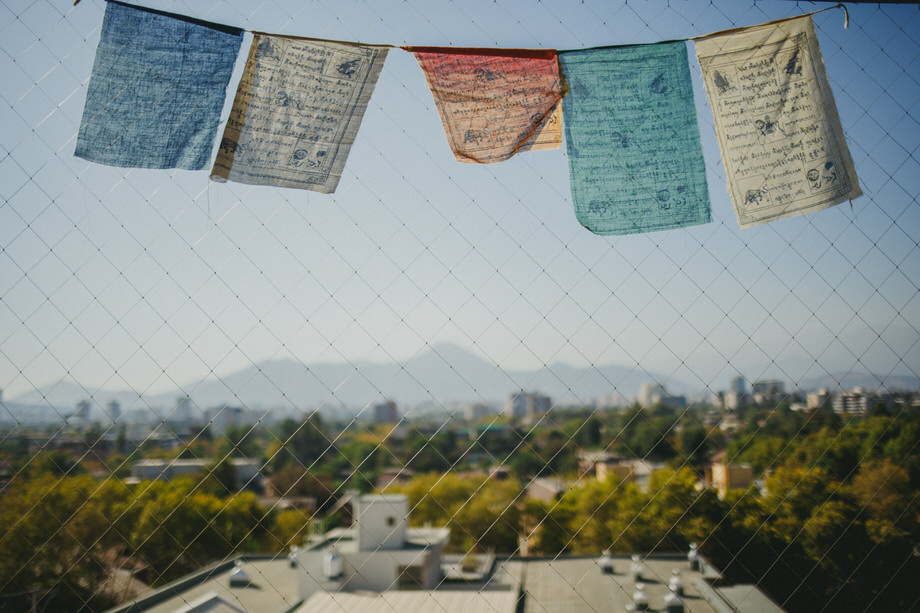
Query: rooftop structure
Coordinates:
[475,411]
[546,489]
[247,471]
[526,406]
[738,386]
[602,464]
[182,412]
[381,564]
[855,402]
[567,584]
[385,413]
[651,394]
[84,410]
[379,552]
[768,390]
[114,410]
[817,400]
[723,476]
[272,588]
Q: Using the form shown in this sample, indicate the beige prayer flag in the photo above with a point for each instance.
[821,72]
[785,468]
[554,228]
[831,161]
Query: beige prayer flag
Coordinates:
[495,102]
[296,112]
[782,145]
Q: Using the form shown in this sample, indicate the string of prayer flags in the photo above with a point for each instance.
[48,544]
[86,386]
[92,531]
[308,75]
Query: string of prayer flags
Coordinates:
[495,102]
[782,144]
[159,81]
[297,111]
[156,90]
[635,159]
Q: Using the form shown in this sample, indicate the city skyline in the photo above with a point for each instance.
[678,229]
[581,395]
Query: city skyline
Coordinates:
[427,386]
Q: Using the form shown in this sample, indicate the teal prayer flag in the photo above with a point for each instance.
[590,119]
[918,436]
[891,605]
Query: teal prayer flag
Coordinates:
[635,158]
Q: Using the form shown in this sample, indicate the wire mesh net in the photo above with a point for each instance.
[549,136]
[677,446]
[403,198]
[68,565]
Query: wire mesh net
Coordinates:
[209,380]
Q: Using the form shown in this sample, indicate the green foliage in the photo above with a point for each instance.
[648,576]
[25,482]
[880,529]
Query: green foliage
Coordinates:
[55,463]
[483,514]
[180,528]
[496,442]
[301,442]
[60,534]
[434,498]
[648,433]
[839,511]
[891,509]
[840,495]
[53,537]
[594,506]
[489,520]
[547,526]
[13,447]
[218,478]
[584,430]
[435,454]
[289,528]
[763,453]
[297,481]
[245,441]
[694,443]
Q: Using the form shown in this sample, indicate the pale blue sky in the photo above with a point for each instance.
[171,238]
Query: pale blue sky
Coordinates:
[152,280]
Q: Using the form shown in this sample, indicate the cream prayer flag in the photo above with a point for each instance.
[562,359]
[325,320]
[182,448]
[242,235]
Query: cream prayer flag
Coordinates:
[495,102]
[776,121]
[296,112]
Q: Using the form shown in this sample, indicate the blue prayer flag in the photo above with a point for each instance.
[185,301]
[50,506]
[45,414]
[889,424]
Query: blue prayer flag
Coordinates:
[635,159]
[157,89]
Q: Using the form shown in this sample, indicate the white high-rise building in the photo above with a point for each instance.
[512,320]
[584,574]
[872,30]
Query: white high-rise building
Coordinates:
[737,394]
[738,386]
[114,408]
[385,413]
[649,394]
[477,410]
[84,407]
[182,413]
[527,406]
[767,390]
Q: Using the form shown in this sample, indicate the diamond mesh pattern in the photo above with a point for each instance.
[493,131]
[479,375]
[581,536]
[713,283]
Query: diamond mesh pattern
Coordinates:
[286,318]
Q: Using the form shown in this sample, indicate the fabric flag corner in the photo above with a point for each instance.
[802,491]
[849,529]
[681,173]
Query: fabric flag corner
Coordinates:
[297,111]
[635,158]
[495,103]
[776,121]
[156,90]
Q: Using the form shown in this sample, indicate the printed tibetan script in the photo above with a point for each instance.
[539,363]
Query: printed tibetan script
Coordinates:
[776,121]
[495,102]
[635,159]
[157,89]
[296,112]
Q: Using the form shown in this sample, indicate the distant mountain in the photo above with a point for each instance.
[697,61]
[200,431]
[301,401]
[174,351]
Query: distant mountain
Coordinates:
[867,381]
[444,373]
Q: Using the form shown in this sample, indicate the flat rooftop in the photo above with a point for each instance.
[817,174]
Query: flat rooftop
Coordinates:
[443,601]
[567,584]
[272,589]
[577,585]
[573,585]
[345,541]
